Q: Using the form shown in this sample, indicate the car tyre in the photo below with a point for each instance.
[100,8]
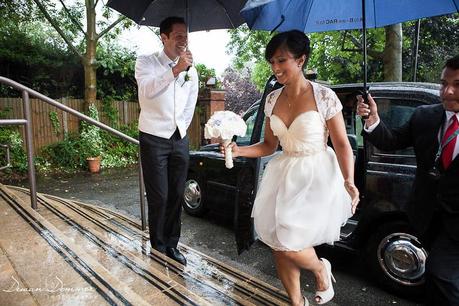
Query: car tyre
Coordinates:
[397,259]
[194,197]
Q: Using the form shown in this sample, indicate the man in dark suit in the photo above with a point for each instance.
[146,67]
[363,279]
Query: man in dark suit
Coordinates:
[433,208]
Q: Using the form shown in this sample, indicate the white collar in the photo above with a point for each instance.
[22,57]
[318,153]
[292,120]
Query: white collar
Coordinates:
[165,60]
[450,115]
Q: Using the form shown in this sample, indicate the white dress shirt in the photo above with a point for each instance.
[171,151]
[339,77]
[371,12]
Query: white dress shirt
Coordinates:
[448,121]
[166,103]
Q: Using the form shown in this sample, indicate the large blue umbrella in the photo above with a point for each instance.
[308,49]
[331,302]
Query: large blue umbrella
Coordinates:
[329,15]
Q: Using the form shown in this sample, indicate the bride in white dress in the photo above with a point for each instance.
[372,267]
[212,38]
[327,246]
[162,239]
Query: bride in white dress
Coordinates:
[307,192]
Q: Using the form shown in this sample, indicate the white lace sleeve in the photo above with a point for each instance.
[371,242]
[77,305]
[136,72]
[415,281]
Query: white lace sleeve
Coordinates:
[328,102]
[271,99]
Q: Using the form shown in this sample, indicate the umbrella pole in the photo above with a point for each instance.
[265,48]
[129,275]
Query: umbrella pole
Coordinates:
[187,17]
[364,45]
[365,92]
[416,49]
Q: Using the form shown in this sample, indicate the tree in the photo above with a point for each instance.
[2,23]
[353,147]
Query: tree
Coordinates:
[31,55]
[35,55]
[438,41]
[205,74]
[240,91]
[66,21]
[247,45]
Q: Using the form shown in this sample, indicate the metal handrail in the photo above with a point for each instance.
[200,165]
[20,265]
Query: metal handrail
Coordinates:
[27,122]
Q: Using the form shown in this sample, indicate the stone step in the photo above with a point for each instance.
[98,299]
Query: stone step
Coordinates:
[48,266]
[115,247]
[245,285]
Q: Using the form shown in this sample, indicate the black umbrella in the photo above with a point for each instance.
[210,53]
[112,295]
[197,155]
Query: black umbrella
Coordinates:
[200,15]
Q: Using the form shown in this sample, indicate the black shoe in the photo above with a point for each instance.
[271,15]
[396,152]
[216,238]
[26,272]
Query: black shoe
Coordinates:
[175,254]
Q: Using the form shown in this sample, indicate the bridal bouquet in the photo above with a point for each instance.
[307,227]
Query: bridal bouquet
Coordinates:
[225,125]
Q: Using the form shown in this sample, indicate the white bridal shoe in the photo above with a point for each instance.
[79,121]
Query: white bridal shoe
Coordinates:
[326,295]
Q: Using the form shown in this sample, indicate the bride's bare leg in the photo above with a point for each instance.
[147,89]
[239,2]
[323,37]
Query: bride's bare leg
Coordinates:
[307,259]
[289,274]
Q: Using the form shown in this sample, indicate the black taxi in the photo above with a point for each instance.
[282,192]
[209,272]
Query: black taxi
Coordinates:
[379,230]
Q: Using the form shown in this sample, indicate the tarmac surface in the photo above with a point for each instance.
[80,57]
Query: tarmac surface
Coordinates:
[119,189]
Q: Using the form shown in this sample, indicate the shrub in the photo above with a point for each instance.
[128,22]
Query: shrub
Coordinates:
[91,142]
[11,137]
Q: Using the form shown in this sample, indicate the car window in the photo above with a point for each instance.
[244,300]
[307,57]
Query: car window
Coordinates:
[250,122]
[395,113]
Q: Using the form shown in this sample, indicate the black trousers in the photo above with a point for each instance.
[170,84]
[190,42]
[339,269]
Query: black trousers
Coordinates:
[442,272]
[165,167]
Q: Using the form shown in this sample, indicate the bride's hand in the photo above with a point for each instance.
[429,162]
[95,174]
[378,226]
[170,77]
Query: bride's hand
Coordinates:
[234,149]
[354,193]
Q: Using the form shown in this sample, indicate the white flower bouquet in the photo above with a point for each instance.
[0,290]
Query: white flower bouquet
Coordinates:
[225,125]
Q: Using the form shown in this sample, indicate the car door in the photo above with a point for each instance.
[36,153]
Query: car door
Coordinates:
[249,177]
[389,174]
[222,190]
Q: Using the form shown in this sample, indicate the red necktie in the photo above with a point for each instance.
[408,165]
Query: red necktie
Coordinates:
[447,152]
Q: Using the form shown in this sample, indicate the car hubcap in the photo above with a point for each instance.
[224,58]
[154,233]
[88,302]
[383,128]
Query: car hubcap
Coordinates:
[402,258]
[192,194]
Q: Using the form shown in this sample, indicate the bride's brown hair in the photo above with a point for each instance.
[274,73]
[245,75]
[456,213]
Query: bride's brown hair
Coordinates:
[296,42]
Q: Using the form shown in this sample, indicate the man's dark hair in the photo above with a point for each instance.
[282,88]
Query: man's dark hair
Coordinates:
[452,63]
[296,42]
[166,25]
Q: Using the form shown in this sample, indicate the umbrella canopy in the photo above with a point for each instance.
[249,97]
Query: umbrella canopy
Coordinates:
[200,14]
[329,15]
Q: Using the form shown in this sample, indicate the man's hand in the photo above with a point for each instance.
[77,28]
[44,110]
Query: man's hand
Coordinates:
[185,61]
[370,110]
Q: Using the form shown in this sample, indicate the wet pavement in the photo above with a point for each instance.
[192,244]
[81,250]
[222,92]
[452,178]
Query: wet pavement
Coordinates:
[119,189]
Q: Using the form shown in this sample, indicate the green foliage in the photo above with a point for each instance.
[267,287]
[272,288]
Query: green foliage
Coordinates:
[91,141]
[110,111]
[261,73]
[119,152]
[32,55]
[438,41]
[69,154]
[115,73]
[55,122]
[10,136]
[249,46]
[36,55]
[204,74]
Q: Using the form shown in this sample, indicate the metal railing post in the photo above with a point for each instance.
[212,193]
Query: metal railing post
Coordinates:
[29,145]
[142,197]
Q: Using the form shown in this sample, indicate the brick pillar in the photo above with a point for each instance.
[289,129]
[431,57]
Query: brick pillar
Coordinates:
[209,101]
[216,103]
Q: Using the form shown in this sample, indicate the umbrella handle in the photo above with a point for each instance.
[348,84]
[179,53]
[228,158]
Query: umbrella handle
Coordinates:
[280,23]
[364,94]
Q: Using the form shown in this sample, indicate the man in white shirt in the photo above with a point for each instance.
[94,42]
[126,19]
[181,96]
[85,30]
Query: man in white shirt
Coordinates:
[433,208]
[168,90]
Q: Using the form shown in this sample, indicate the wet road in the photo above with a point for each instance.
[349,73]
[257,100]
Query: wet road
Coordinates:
[118,189]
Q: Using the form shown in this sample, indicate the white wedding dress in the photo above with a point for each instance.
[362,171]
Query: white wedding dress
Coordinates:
[301,201]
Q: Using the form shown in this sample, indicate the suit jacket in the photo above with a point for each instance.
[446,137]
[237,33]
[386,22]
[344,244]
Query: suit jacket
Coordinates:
[429,195]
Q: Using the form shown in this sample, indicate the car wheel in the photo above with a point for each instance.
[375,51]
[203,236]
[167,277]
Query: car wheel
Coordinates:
[194,197]
[397,259]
